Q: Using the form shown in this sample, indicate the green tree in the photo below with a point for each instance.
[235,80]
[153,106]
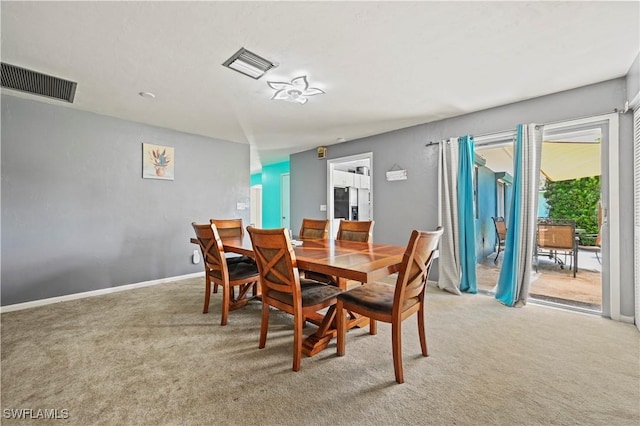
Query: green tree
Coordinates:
[575,199]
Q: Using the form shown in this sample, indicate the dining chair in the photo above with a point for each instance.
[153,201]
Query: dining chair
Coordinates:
[314,229]
[355,230]
[230,228]
[243,275]
[348,230]
[283,288]
[501,234]
[394,303]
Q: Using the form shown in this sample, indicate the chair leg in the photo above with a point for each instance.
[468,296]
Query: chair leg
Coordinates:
[207,293]
[297,341]
[226,301]
[341,326]
[264,325]
[396,342]
[421,332]
[215,287]
[373,327]
[495,261]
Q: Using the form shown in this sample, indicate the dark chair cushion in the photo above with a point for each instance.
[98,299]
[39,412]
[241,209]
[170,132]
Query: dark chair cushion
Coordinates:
[313,292]
[377,297]
[238,271]
[239,259]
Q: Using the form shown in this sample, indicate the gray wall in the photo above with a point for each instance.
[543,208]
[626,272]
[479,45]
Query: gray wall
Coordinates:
[633,79]
[401,206]
[76,213]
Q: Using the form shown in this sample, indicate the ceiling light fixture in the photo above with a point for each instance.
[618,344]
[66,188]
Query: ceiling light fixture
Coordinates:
[147,95]
[296,91]
[249,64]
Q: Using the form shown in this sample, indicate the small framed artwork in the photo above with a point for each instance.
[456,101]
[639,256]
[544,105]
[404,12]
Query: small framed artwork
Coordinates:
[158,162]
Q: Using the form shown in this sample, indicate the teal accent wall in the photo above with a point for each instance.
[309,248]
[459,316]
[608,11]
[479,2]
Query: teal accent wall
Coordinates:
[270,179]
[256,179]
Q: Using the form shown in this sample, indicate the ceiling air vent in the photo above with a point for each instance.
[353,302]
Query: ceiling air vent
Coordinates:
[248,63]
[25,80]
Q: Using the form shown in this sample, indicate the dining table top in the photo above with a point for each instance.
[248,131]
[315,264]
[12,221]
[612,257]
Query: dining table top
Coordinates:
[351,260]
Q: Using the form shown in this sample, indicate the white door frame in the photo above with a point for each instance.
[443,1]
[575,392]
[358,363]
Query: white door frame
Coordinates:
[612,218]
[330,167]
[285,197]
[256,206]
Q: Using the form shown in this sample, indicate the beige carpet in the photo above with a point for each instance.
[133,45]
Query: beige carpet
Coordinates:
[149,356]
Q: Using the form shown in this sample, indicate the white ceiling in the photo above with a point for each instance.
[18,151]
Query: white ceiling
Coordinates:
[383,65]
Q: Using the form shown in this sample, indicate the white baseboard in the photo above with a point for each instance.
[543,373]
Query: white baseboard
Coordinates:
[42,302]
[624,318]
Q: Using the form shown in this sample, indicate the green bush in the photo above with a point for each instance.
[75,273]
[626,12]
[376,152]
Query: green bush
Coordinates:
[575,199]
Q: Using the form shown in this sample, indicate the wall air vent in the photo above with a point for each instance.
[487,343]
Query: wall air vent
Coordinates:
[248,63]
[25,80]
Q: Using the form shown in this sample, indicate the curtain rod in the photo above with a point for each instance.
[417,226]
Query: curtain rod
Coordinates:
[487,138]
[490,136]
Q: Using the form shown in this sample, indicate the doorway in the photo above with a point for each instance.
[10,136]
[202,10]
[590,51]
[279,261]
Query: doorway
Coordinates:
[349,189]
[588,146]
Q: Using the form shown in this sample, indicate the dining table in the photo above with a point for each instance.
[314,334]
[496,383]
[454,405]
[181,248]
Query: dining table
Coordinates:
[345,260]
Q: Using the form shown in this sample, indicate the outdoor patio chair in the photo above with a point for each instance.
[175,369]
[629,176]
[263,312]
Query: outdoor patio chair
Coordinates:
[556,236]
[501,234]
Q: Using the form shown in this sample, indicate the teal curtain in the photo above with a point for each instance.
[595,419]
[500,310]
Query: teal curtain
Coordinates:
[515,273]
[466,216]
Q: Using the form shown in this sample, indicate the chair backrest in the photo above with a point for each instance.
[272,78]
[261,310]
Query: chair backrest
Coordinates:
[355,230]
[314,229]
[557,234]
[415,267]
[229,227]
[212,250]
[276,261]
[501,227]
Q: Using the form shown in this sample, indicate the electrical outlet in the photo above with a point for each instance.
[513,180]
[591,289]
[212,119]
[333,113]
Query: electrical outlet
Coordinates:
[241,206]
[323,207]
[196,257]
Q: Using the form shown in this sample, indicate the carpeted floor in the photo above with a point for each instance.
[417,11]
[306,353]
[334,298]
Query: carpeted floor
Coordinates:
[149,356]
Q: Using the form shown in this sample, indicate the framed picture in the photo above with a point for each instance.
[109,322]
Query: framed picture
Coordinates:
[158,162]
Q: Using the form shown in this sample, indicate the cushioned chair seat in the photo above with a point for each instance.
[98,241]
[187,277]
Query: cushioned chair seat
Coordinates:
[313,292]
[238,271]
[377,297]
[239,259]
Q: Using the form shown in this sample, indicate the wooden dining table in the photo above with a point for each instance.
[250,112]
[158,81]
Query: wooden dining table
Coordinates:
[345,260]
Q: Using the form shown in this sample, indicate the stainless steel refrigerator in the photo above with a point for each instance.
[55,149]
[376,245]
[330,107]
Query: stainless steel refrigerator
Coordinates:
[345,203]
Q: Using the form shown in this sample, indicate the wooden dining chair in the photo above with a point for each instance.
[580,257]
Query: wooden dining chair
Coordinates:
[230,228]
[283,288]
[394,304]
[243,275]
[314,229]
[355,230]
[348,230]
